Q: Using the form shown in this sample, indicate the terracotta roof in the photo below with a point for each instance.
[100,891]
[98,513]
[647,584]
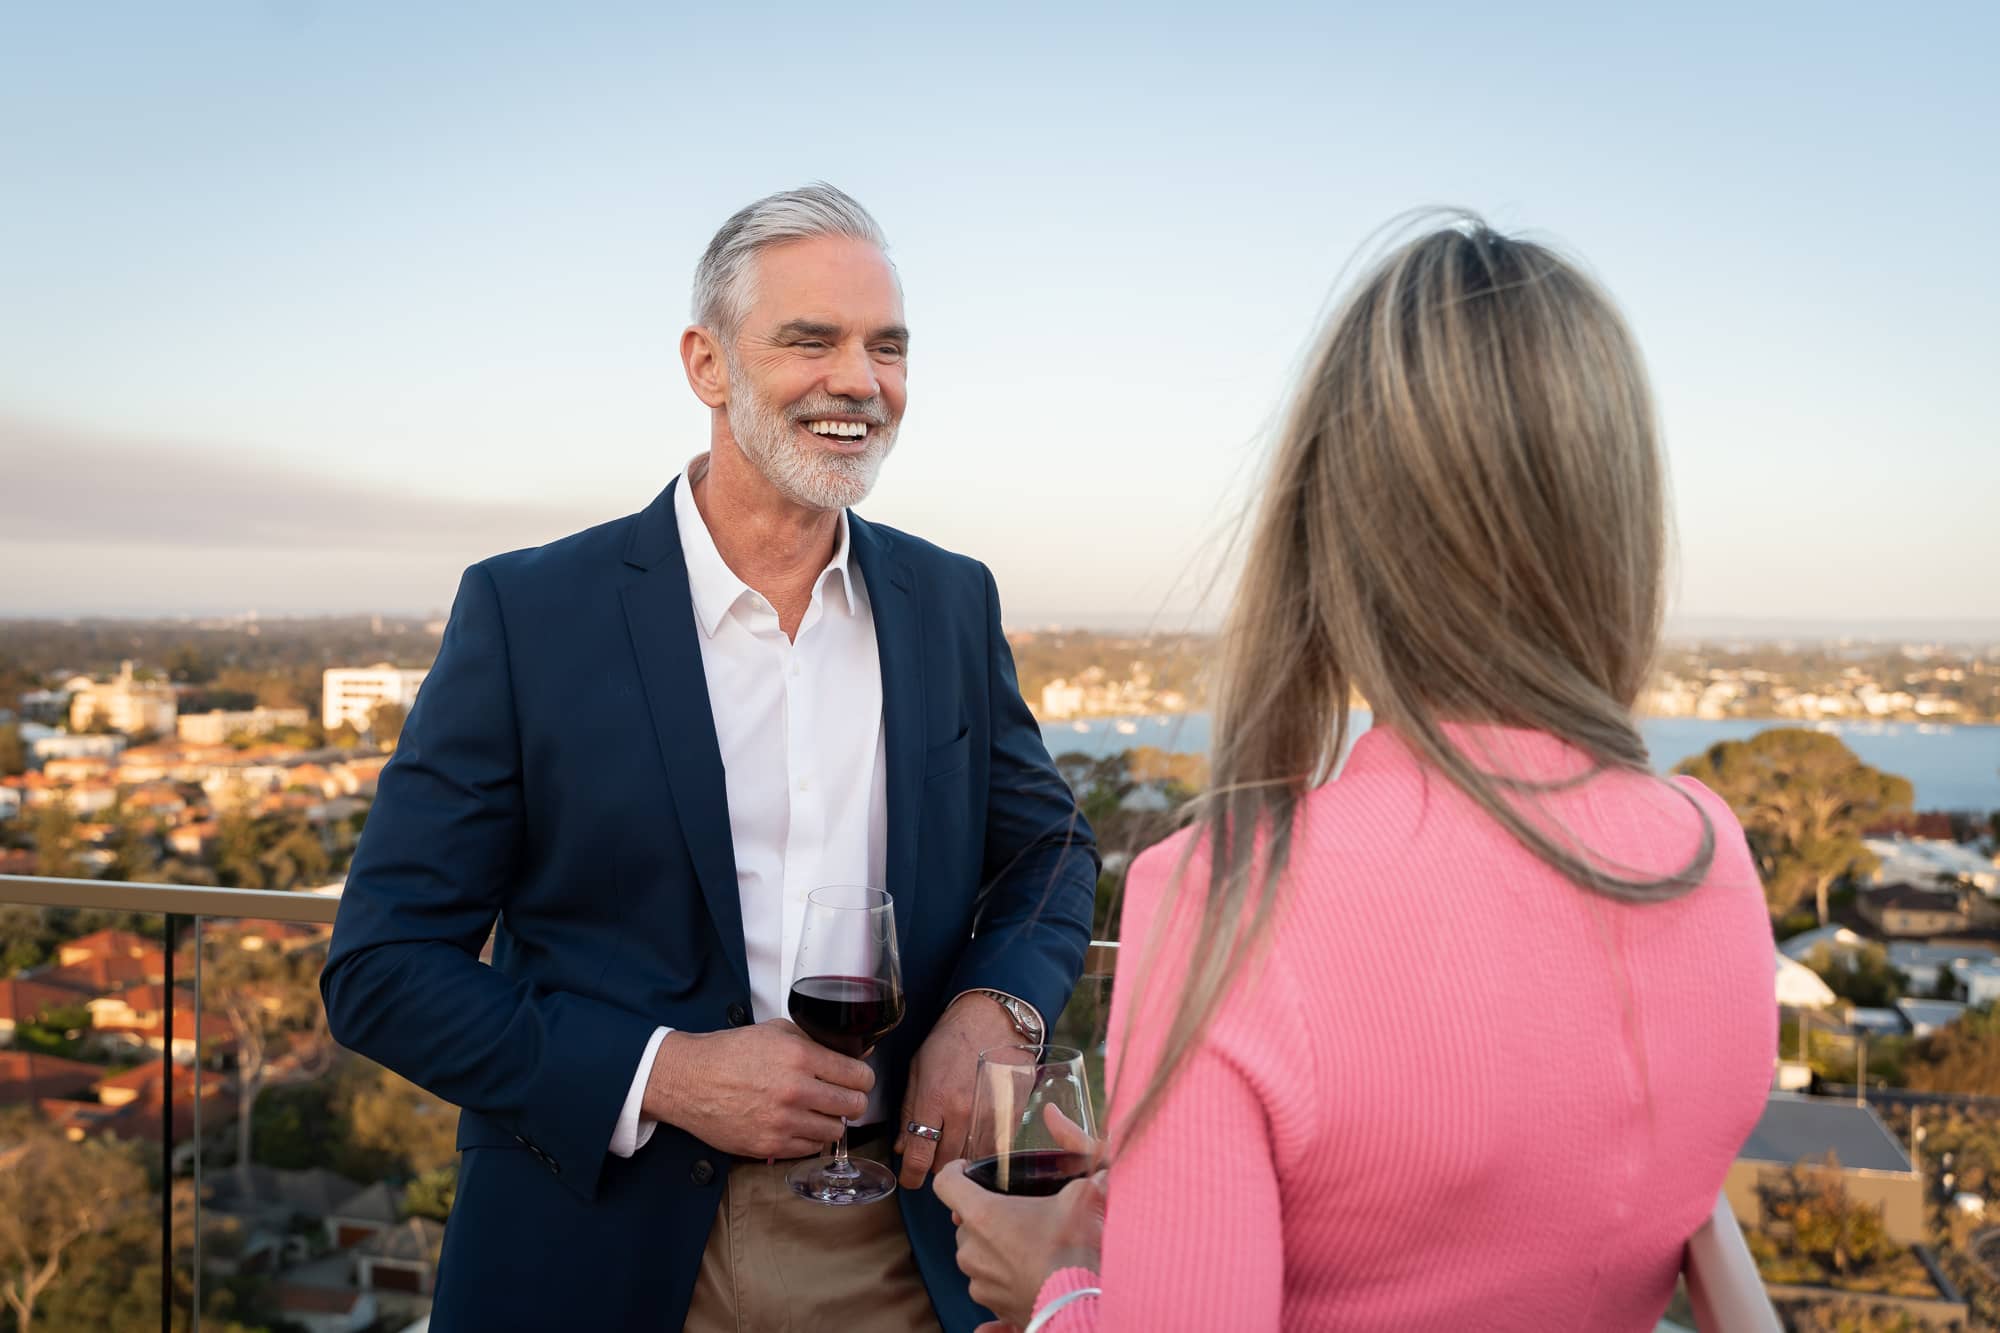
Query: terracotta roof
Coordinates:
[28,1076]
[102,975]
[156,1030]
[106,943]
[23,1001]
[151,997]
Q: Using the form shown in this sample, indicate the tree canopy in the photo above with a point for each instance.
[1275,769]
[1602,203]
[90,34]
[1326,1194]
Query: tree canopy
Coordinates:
[1804,800]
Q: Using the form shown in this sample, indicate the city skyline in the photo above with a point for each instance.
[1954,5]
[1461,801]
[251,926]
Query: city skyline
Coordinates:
[336,301]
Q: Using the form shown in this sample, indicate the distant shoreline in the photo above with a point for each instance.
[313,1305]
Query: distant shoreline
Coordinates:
[1952,766]
[1901,720]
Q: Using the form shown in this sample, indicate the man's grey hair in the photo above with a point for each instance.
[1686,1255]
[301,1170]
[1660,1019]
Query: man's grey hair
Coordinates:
[724,279]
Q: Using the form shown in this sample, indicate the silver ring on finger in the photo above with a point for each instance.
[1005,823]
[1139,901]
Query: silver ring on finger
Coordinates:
[925,1131]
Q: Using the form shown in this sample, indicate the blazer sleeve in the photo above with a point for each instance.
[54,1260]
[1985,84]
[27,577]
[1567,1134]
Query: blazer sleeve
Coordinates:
[1039,876]
[403,983]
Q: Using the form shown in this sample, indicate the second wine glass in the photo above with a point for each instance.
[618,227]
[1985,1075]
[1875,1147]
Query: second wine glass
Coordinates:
[1014,1144]
[847,994]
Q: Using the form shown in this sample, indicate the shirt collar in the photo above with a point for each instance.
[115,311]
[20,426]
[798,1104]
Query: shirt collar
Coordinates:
[713,585]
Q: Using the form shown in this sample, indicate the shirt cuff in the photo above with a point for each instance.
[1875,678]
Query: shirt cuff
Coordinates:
[632,1130]
[1062,1282]
[1040,1022]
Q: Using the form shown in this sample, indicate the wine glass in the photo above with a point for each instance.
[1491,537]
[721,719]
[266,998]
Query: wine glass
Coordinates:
[1011,1147]
[847,994]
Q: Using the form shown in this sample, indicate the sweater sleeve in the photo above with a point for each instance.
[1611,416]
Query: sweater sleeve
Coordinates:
[1193,1235]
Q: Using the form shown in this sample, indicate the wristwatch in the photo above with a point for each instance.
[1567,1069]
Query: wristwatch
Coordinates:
[1026,1021]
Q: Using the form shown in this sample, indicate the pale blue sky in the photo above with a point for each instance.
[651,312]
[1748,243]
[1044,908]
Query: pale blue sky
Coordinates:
[305,306]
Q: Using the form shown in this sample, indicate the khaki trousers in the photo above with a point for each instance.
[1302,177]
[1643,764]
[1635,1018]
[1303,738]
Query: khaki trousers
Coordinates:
[776,1263]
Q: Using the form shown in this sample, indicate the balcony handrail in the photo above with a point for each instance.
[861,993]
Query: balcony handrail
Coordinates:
[119,895]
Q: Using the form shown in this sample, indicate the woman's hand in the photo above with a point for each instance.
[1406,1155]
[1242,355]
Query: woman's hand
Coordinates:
[1008,1246]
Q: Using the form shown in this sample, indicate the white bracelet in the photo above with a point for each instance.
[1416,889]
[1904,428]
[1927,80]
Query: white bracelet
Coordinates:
[1041,1321]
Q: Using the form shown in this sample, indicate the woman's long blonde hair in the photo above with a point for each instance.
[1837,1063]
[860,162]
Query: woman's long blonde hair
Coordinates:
[1465,521]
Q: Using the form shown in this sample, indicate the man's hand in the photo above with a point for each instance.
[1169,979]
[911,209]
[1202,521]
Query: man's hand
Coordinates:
[940,1087]
[764,1091]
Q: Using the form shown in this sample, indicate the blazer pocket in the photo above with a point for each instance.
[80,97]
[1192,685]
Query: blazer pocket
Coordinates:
[944,760]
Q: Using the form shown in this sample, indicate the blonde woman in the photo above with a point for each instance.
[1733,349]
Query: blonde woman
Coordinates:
[1466,1037]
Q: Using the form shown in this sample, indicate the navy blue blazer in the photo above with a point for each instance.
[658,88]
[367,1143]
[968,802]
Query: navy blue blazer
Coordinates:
[558,783]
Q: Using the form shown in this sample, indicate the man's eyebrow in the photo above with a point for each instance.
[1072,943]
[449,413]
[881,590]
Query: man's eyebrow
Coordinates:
[806,328]
[893,333]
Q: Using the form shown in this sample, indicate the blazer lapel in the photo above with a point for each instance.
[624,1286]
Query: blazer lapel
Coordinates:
[660,616]
[892,597]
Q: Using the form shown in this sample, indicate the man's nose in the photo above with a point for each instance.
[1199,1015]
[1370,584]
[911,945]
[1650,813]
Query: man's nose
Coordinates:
[852,374]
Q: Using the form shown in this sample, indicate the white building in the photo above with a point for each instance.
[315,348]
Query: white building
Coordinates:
[126,704]
[46,745]
[1927,1016]
[350,695]
[1799,987]
[1980,979]
[216,727]
[1061,699]
[1836,940]
[1923,861]
[1922,963]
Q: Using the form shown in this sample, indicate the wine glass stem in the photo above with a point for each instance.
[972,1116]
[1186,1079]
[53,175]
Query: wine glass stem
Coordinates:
[841,1167]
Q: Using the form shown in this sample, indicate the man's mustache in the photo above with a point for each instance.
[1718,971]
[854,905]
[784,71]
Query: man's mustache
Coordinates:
[870,410]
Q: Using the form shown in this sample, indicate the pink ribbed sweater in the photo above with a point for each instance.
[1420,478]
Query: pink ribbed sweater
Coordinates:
[1459,1092]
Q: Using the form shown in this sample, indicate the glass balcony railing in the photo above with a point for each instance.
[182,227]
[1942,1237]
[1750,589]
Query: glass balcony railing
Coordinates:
[181,1144]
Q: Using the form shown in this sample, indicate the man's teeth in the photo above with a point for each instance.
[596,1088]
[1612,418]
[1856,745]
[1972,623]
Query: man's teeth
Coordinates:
[845,429]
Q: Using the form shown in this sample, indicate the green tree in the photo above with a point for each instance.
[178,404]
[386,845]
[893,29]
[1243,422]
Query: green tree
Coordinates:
[1812,1231]
[56,845]
[385,724]
[268,1001]
[430,1195]
[135,852]
[297,1126]
[297,856]
[1860,976]
[189,665]
[390,1115]
[27,938]
[54,1193]
[1963,1057]
[49,1033]
[13,751]
[239,851]
[1804,800]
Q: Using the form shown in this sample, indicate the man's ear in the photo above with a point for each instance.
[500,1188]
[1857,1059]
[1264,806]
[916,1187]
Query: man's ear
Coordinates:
[707,368]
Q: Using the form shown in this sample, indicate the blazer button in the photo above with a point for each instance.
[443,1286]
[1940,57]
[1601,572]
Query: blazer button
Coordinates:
[702,1172]
[738,1015]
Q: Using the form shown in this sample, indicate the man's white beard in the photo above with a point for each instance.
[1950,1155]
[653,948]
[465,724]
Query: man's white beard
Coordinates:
[816,478]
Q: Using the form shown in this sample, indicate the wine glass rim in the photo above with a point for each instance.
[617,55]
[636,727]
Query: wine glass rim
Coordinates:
[875,901]
[1050,1054]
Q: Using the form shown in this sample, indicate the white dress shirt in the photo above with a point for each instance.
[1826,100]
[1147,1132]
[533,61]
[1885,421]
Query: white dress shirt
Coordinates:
[799,725]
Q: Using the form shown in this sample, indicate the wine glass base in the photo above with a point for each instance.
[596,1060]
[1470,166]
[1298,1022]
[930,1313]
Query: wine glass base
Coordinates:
[819,1182]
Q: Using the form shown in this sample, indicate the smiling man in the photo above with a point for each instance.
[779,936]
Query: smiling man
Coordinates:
[639,750]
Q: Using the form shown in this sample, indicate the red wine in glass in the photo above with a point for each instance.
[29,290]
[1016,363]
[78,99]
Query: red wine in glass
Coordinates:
[847,994]
[1021,1095]
[846,1014]
[1035,1173]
